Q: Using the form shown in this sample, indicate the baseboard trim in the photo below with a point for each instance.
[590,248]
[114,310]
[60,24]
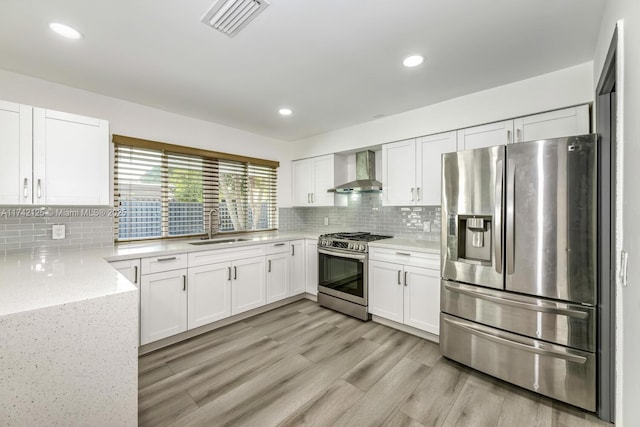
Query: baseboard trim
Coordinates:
[408,329]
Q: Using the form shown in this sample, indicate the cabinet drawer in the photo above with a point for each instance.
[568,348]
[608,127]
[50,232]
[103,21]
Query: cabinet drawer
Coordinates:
[160,263]
[415,259]
[559,372]
[562,323]
[277,248]
[224,255]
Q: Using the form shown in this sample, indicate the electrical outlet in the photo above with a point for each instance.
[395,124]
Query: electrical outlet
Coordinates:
[326,220]
[57,231]
[426,226]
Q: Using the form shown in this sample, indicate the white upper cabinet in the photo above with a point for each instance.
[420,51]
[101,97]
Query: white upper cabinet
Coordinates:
[52,158]
[70,159]
[399,173]
[498,133]
[554,124]
[15,162]
[429,150]
[311,178]
[411,170]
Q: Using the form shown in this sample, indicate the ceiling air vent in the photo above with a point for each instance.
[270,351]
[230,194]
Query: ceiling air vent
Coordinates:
[230,16]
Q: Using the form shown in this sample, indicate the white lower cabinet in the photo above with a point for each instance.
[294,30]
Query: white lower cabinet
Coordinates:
[311,249]
[248,284]
[163,305]
[209,294]
[277,276]
[405,293]
[297,273]
[130,269]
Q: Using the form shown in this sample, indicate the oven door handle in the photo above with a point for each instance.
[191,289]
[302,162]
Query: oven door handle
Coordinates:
[359,257]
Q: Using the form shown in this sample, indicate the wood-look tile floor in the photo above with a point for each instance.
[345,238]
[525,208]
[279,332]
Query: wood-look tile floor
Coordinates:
[302,364]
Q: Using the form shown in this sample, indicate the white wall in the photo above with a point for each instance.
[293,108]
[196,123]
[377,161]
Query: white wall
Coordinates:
[628,394]
[130,119]
[570,86]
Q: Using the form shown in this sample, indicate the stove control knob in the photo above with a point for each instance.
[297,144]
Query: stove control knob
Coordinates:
[350,246]
[362,248]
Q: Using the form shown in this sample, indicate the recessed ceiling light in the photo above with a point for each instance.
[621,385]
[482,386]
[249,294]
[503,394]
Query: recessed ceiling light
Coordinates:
[412,61]
[285,111]
[65,31]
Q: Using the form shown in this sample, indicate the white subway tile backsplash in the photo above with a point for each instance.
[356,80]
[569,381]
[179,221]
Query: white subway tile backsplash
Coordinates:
[364,213]
[22,233]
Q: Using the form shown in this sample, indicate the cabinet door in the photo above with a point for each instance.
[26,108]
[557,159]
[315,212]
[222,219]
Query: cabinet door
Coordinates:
[297,261]
[277,277]
[554,124]
[129,269]
[386,290]
[311,254]
[323,180]
[399,173]
[498,133]
[163,305]
[302,182]
[429,150]
[15,162]
[209,294]
[70,159]
[422,298]
[248,284]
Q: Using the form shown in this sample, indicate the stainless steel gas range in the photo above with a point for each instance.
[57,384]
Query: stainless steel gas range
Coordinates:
[342,272]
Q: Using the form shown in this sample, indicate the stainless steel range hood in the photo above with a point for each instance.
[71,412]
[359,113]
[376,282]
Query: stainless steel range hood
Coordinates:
[365,176]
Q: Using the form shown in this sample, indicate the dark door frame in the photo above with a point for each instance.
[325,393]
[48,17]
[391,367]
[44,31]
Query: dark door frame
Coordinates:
[606,117]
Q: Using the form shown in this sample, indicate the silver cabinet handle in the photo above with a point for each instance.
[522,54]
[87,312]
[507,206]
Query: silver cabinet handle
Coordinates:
[399,273]
[497,218]
[313,197]
[269,268]
[135,274]
[405,278]
[510,243]
[518,135]
[184,282]
[235,273]
[39,188]
[403,253]
[279,244]
[293,250]
[418,194]
[508,137]
[26,188]
[308,197]
[229,271]
[514,344]
[412,193]
[167,259]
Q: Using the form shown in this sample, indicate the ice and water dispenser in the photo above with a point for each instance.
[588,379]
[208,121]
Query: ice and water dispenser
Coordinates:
[474,238]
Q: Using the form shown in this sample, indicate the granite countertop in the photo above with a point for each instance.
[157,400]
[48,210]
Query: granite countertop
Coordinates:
[34,281]
[427,246]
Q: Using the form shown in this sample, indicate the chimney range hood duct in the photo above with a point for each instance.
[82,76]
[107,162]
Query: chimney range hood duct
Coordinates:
[365,176]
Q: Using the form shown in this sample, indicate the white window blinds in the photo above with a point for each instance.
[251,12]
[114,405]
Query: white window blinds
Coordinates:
[164,194]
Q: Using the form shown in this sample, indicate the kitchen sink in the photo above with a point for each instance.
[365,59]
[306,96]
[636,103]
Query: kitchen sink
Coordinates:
[212,242]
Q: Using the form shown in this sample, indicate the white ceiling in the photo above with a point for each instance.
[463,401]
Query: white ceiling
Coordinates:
[334,62]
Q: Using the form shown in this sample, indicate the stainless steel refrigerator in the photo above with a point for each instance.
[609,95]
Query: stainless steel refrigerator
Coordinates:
[519,264]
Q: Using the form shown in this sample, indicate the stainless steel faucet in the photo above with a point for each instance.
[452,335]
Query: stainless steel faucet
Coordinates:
[211,212]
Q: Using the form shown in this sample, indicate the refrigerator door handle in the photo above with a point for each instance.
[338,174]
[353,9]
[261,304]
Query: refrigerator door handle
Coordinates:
[510,241]
[553,308]
[497,218]
[514,344]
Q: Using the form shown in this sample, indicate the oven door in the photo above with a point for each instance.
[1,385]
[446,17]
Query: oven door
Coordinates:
[343,275]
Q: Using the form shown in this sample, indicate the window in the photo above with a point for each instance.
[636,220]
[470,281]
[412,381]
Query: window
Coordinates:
[167,191]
